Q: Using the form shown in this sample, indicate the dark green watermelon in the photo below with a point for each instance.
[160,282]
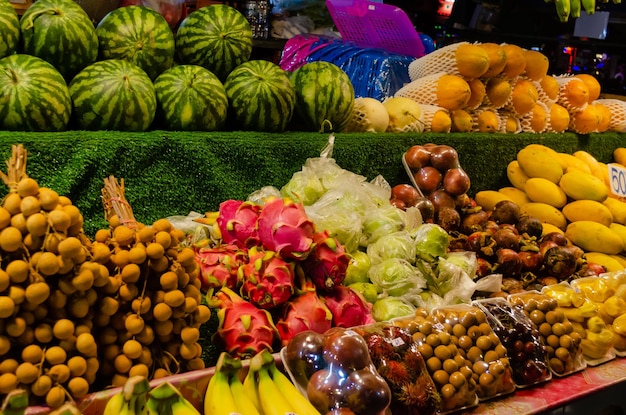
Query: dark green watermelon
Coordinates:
[59,32]
[137,34]
[113,94]
[9,29]
[217,37]
[33,95]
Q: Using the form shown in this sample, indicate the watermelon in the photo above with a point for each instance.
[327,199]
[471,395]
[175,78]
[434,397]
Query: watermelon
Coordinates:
[33,95]
[113,94]
[260,96]
[324,96]
[9,29]
[137,34]
[217,37]
[190,98]
[60,32]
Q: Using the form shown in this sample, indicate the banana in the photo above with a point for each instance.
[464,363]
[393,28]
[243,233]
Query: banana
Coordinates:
[250,386]
[131,399]
[270,397]
[165,399]
[575,8]
[589,6]
[245,403]
[115,404]
[219,398]
[15,403]
[300,403]
[66,409]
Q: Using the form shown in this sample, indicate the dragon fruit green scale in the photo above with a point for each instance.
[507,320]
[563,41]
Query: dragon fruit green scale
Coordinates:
[237,222]
[219,266]
[268,280]
[284,227]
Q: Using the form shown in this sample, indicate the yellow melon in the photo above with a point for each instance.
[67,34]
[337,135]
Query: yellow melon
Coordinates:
[524,96]
[515,60]
[536,65]
[592,84]
[453,92]
[478,91]
[559,118]
[604,114]
[498,91]
[487,121]
[472,61]
[575,92]
[511,124]
[462,121]
[538,118]
[585,121]
[497,59]
[441,122]
[550,86]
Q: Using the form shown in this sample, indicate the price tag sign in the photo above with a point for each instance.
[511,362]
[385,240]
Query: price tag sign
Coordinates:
[617,178]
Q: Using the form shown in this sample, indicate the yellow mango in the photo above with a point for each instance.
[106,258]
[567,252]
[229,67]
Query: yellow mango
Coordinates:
[543,190]
[587,210]
[602,173]
[519,196]
[545,213]
[619,155]
[620,230]
[487,199]
[617,208]
[619,325]
[586,158]
[620,258]
[606,260]
[594,237]
[578,185]
[568,161]
[516,175]
[537,162]
[549,228]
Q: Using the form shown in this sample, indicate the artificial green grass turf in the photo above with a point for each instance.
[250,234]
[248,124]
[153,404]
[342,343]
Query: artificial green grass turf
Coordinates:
[173,173]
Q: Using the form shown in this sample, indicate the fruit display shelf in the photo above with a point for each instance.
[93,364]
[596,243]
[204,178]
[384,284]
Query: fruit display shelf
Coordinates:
[174,173]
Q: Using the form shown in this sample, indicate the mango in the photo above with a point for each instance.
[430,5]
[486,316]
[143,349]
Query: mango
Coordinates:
[602,173]
[620,258]
[516,175]
[568,161]
[549,228]
[587,210]
[536,162]
[607,261]
[578,186]
[519,196]
[487,199]
[594,237]
[545,213]
[619,230]
[619,155]
[543,190]
[617,208]
[586,158]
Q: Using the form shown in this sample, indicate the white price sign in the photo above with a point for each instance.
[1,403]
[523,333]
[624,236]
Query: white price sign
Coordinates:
[617,178]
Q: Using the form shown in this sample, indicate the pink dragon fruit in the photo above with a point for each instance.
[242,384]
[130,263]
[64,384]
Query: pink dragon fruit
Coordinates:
[327,263]
[306,311]
[348,307]
[237,222]
[243,329]
[219,265]
[283,227]
[268,280]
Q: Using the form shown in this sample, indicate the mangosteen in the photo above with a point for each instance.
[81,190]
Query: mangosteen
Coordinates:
[304,355]
[530,226]
[366,392]
[509,263]
[474,222]
[560,262]
[449,219]
[324,389]
[345,349]
[506,211]
[506,238]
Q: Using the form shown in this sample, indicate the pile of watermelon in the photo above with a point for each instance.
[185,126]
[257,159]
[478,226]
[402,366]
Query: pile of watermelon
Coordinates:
[133,72]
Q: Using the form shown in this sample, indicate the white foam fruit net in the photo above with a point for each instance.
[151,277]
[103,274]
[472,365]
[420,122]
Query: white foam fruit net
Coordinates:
[422,90]
[417,126]
[476,114]
[359,120]
[501,100]
[509,122]
[439,60]
[543,96]
[618,113]
[541,124]
[563,99]
[509,106]
[428,113]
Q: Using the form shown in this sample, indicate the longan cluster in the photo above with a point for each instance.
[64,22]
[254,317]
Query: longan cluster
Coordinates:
[150,311]
[48,285]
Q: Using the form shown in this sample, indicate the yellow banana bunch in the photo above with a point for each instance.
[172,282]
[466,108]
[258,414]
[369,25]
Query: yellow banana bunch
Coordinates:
[575,8]
[131,399]
[15,403]
[589,6]
[165,399]
[219,399]
[563,8]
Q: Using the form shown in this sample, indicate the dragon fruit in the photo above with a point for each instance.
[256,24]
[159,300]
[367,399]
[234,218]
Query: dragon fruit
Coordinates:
[348,307]
[268,280]
[327,263]
[306,311]
[219,265]
[237,222]
[284,227]
[243,329]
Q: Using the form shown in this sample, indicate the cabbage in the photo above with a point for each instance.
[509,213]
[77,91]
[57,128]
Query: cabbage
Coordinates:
[304,187]
[447,280]
[394,245]
[344,224]
[382,221]
[358,268]
[368,290]
[396,277]
[388,308]
[431,241]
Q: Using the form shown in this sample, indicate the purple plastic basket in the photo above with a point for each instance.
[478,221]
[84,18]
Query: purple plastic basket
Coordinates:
[376,25]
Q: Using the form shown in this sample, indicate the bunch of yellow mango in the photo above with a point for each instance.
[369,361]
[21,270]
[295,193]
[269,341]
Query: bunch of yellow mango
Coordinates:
[569,193]
[597,337]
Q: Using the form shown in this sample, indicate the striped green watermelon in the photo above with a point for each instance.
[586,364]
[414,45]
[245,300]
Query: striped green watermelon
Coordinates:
[113,94]
[137,34]
[9,29]
[217,37]
[324,96]
[260,96]
[33,95]
[190,98]
[60,32]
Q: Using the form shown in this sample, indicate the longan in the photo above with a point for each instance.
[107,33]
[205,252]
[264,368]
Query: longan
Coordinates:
[134,324]
[41,385]
[55,396]
[8,382]
[77,365]
[59,220]
[78,387]
[59,373]
[55,355]
[7,306]
[32,353]
[27,373]
[86,344]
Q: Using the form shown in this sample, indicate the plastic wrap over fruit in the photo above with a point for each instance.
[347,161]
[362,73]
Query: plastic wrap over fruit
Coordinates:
[445,363]
[335,370]
[563,343]
[527,353]
[397,359]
